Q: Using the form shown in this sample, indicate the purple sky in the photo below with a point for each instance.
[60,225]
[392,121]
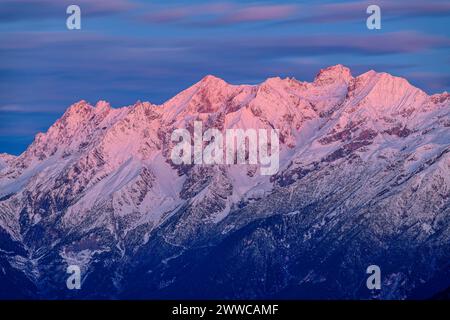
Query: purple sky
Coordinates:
[150,50]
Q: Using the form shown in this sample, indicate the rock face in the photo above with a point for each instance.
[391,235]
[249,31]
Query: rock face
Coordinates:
[364,179]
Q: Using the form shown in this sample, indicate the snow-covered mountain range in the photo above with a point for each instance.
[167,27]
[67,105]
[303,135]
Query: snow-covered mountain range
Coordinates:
[364,179]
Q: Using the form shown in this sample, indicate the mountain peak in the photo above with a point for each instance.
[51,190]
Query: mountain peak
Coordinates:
[210,80]
[7,156]
[389,84]
[6,159]
[333,74]
[79,107]
[102,105]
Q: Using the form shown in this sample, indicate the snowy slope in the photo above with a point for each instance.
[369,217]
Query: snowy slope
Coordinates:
[364,166]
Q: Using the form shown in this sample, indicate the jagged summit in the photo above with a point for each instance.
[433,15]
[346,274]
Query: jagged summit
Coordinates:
[78,107]
[209,80]
[102,105]
[334,73]
[6,156]
[6,159]
[386,93]
[273,101]
[200,97]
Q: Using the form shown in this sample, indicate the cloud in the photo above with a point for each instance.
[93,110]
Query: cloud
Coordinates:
[432,80]
[184,13]
[58,68]
[219,14]
[113,55]
[324,44]
[225,13]
[87,48]
[12,108]
[261,13]
[356,10]
[234,13]
[21,10]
